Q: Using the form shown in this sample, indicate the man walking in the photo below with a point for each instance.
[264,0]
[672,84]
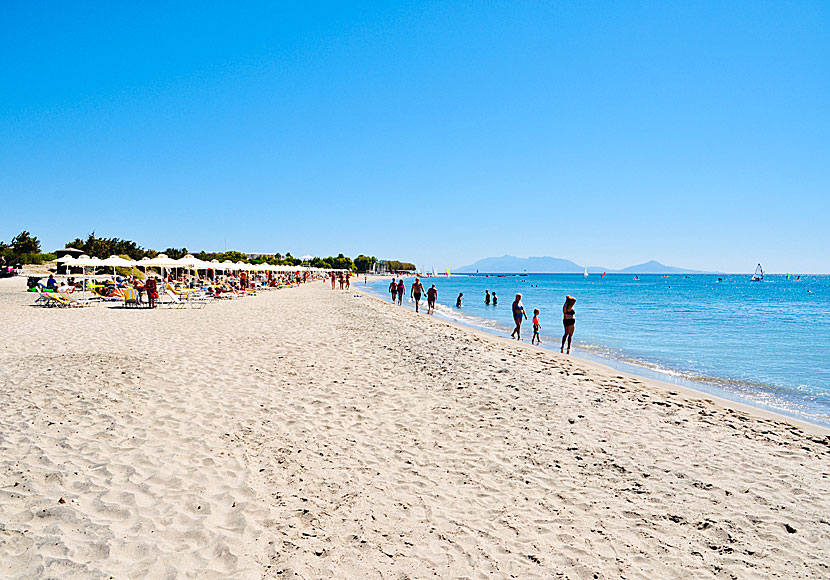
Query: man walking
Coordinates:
[415,292]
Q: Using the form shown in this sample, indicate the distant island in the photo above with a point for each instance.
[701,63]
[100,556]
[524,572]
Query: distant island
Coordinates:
[548,265]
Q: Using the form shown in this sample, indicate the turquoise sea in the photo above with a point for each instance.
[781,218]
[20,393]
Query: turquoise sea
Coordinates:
[763,343]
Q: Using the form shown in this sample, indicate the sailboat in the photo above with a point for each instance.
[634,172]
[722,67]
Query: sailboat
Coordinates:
[585,275]
[759,274]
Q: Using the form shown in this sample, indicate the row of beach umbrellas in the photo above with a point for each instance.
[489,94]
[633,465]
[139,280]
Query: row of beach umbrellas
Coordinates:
[189,262]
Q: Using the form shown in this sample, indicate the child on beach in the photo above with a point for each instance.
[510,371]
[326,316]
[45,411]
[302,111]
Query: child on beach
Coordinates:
[536,327]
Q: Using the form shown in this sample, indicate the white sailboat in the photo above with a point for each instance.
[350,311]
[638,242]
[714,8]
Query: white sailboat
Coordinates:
[586,273]
[759,274]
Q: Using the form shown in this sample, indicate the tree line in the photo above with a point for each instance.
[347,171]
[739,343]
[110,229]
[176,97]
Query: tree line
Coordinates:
[25,249]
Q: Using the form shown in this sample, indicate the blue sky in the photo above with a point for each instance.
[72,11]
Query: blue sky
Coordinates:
[609,133]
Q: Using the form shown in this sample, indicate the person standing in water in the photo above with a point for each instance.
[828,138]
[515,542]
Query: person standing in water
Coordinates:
[432,295]
[415,292]
[568,321]
[401,290]
[536,327]
[487,298]
[393,290]
[458,300]
[495,299]
[518,313]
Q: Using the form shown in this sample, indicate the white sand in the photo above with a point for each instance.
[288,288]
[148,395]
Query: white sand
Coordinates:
[307,434]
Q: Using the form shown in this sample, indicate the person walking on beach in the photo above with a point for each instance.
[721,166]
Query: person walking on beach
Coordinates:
[487,298]
[401,290]
[458,300]
[432,295]
[495,299]
[568,321]
[332,280]
[393,290]
[518,313]
[348,278]
[415,292]
[536,327]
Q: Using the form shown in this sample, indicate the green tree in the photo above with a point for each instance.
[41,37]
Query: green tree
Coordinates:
[25,243]
[398,266]
[364,263]
[342,262]
[175,253]
[106,247]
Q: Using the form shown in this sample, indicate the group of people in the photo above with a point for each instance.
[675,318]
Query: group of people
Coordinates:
[342,279]
[397,289]
[416,292]
[568,321]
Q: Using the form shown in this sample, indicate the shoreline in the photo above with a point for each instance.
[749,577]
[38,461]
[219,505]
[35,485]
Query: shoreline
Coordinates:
[641,373]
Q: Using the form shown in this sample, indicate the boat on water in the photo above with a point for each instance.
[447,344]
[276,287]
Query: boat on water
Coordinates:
[585,275]
[759,274]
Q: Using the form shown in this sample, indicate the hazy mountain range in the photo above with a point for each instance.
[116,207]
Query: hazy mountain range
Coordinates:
[548,265]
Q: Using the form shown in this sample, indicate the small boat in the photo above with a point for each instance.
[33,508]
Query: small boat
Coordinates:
[759,274]
[585,275]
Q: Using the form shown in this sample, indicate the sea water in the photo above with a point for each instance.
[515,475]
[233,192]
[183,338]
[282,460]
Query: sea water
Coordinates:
[763,343]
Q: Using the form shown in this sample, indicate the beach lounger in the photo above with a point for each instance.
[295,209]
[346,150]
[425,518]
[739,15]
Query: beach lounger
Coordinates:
[116,296]
[52,300]
[80,302]
[173,299]
[198,300]
[41,299]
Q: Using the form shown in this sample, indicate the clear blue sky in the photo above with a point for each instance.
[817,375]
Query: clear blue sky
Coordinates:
[609,133]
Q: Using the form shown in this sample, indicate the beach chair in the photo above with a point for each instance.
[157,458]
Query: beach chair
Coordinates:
[197,299]
[132,297]
[173,299]
[116,296]
[42,300]
[53,300]
[79,302]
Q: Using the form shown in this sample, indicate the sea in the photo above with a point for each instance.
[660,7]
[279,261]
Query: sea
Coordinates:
[765,344]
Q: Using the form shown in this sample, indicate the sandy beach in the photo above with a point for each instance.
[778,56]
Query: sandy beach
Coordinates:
[310,433]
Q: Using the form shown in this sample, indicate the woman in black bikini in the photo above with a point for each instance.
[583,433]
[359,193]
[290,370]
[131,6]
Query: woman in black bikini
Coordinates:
[568,321]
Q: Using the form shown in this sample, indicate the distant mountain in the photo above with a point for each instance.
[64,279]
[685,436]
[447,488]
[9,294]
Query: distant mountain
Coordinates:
[509,264]
[654,267]
[547,265]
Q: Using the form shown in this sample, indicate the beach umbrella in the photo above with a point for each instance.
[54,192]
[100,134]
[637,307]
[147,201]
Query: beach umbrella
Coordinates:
[161,261]
[117,262]
[67,261]
[84,261]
